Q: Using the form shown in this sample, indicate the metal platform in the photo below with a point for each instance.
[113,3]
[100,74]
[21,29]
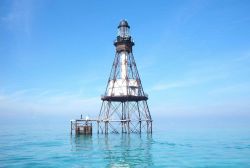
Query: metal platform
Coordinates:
[124,98]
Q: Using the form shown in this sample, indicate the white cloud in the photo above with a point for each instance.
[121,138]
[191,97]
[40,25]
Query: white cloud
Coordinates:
[192,80]
[231,89]
[176,84]
[203,71]
[243,57]
[37,102]
[20,16]
[191,109]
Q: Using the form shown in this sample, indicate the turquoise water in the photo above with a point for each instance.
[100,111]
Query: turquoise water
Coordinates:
[48,146]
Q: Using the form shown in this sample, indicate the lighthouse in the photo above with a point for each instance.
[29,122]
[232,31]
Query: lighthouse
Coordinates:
[124,104]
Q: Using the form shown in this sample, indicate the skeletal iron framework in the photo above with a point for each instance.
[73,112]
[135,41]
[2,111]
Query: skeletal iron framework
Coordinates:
[124,105]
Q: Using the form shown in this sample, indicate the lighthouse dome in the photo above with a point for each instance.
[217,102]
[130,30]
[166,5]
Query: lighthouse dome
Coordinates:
[123,23]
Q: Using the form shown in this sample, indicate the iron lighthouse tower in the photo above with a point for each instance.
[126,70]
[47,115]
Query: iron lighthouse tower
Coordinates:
[124,104]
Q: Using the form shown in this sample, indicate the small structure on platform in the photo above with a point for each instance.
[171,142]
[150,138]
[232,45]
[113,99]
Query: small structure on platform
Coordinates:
[82,126]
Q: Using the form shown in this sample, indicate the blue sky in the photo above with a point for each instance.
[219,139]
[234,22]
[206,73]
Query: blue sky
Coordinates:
[193,57]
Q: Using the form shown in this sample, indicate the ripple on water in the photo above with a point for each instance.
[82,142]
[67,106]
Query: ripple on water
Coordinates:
[49,149]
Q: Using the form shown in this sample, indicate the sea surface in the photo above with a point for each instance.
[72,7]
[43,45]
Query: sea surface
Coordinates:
[53,146]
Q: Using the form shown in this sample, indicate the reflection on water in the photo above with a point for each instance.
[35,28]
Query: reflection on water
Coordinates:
[82,142]
[32,147]
[123,150]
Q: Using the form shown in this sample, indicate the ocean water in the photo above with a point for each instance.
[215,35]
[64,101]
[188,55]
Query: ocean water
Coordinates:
[53,146]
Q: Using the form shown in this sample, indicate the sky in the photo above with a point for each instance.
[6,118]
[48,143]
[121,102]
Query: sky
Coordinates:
[193,57]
